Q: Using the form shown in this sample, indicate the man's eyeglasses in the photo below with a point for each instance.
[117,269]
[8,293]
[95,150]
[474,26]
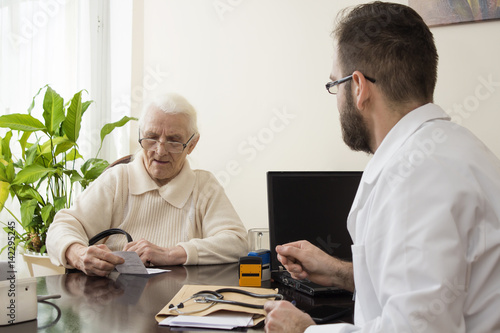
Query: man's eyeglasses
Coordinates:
[333,87]
[170,146]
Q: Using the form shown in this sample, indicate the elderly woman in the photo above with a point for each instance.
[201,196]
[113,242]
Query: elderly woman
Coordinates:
[176,215]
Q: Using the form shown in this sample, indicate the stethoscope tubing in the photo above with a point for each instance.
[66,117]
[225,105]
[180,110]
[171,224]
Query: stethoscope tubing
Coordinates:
[210,296]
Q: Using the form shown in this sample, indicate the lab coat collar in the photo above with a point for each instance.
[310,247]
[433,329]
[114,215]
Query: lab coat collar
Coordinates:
[397,136]
[176,192]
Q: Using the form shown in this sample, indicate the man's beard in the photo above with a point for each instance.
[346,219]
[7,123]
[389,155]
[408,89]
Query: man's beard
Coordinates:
[354,129]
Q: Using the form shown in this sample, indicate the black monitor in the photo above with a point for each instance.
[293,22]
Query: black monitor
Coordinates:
[311,205]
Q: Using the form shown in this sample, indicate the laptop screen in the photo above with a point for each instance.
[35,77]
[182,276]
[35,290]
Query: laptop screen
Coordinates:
[313,206]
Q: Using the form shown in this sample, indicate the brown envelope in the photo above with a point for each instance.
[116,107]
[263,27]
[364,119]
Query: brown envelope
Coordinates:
[188,290]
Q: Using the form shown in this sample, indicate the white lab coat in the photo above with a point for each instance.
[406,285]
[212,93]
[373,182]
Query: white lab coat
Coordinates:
[426,230]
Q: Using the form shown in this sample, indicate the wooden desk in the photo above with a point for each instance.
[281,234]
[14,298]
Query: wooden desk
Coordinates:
[129,304]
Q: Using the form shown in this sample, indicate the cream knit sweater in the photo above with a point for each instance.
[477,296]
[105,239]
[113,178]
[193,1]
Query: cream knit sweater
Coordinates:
[192,211]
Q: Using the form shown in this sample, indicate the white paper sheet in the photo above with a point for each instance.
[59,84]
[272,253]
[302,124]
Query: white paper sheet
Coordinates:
[219,320]
[134,265]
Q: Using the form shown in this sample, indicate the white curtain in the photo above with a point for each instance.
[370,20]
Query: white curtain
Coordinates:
[71,45]
[43,42]
[67,44]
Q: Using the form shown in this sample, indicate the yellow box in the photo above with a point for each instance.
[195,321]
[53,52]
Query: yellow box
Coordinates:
[250,271]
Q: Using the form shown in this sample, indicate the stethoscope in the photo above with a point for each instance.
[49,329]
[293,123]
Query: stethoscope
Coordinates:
[211,298]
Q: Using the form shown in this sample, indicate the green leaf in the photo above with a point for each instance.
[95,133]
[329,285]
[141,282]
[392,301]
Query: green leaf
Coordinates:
[27,212]
[23,141]
[92,169]
[32,153]
[3,248]
[63,147]
[5,146]
[31,174]
[21,122]
[72,124]
[35,224]
[33,102]
[17,236]
[74,154]
[7,172]
[60,203]
[4,193]
[53,110]
[50,145]
[85,106]
[108,128]
[10,172]
[27,192]
[3,173]
[74,176]
[48,211]
[11,229]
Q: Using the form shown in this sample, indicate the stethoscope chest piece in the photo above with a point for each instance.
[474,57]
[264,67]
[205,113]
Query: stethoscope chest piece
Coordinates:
[211,298]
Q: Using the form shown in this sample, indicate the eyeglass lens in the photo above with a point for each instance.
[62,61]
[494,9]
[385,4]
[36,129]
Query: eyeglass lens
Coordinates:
[152,144]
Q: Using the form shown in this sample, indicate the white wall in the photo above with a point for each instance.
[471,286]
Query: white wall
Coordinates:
[256,70]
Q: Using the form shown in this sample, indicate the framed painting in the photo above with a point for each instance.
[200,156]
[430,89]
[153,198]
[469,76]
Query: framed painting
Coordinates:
[443,12]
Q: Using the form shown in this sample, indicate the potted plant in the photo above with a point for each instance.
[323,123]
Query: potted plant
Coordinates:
[48,168]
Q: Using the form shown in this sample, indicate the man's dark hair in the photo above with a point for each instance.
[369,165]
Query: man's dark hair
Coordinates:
[392,44]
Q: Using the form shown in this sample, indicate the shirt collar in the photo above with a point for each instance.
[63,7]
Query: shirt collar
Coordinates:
[398,135]
[176,192]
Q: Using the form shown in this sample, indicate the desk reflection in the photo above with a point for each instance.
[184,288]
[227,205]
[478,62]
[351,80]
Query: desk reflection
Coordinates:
[129,303]
[122,303]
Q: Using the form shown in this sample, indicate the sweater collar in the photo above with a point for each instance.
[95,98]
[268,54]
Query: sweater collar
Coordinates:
[398,135]
[176,192]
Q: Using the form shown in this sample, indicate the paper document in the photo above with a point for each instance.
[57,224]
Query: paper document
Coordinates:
[225,320]
[134,265]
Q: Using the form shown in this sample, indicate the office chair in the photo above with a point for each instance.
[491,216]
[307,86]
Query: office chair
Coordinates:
[122,160]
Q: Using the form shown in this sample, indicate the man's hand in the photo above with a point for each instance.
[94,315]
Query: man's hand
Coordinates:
[154,255]
[306,261]
[283,316]
[92,260]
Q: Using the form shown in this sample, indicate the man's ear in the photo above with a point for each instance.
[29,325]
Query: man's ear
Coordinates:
[362,90]
[193,143]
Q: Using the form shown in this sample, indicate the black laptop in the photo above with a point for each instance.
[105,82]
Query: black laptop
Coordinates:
[314,206]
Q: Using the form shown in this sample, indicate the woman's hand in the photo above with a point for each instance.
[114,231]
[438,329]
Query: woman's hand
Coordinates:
[154,255]
[92,260]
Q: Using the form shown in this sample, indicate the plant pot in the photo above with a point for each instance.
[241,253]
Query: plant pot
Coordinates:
[40,264]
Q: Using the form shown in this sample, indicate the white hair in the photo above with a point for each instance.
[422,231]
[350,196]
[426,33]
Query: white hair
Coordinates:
[171,103]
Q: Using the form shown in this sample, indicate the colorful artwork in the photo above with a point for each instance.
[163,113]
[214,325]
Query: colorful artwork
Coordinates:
[441,12]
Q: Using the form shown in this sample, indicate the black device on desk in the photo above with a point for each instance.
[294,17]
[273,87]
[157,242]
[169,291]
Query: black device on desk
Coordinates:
[313,206]
[324,314]
[324,308]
